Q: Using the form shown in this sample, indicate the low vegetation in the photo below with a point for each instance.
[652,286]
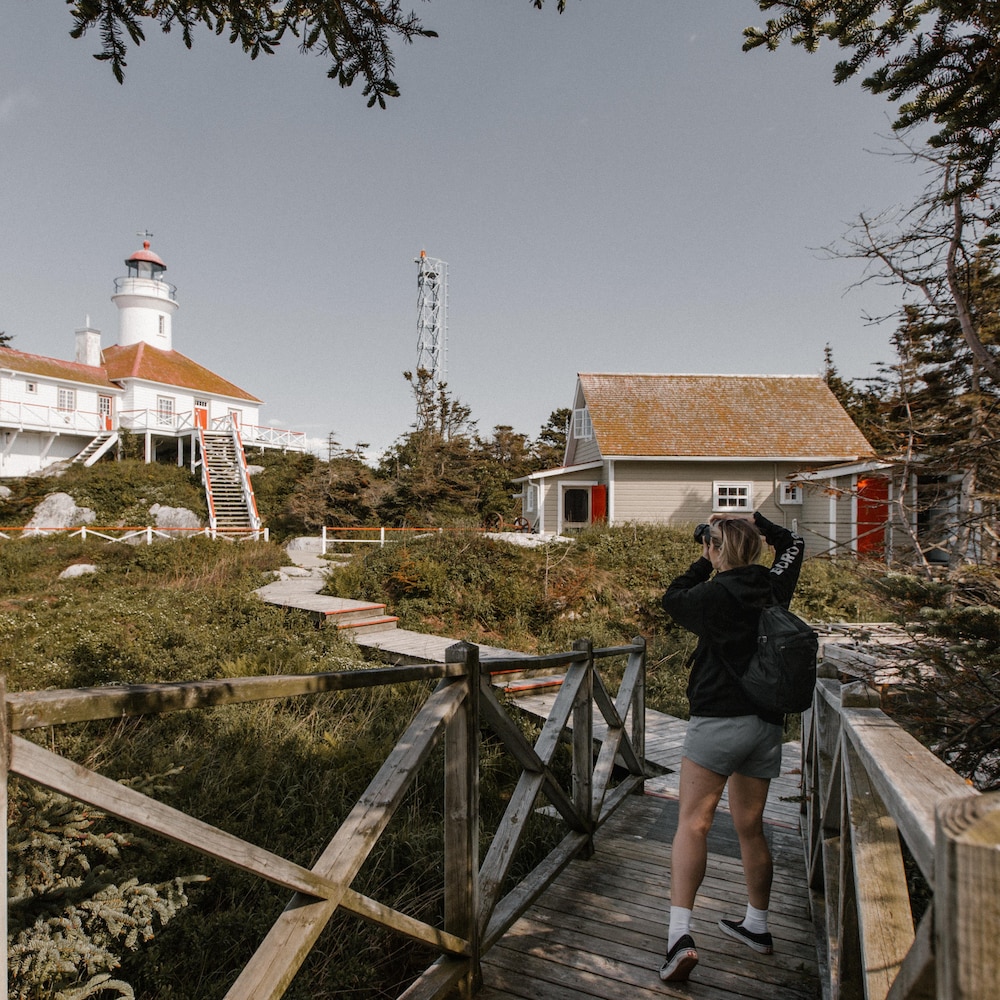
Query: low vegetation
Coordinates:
[280,775]
[606,585]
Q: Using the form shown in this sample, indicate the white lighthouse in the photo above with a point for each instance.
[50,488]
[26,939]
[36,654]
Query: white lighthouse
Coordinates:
[146,303]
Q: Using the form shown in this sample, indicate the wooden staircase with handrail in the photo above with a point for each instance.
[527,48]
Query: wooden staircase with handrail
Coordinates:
[230,497]
[100,446]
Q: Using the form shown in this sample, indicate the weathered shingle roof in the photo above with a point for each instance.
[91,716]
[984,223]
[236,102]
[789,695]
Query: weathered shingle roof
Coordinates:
[37,364]
[724,416]
[143,361]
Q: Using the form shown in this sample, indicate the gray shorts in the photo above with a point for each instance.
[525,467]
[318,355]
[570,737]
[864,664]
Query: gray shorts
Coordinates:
[743,744]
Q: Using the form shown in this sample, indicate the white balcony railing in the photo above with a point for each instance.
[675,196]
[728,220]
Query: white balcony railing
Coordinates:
[37,417]
[253,435]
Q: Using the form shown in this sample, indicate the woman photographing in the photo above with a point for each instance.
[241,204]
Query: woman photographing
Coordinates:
[728,739]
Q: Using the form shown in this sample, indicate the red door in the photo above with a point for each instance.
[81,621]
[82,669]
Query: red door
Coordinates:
[598,504]
[873,515]
[201,417]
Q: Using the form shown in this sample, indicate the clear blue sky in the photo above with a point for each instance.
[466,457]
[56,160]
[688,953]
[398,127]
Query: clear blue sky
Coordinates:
[617,188]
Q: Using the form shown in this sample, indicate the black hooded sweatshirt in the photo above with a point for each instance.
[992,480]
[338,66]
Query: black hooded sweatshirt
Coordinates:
[724,612]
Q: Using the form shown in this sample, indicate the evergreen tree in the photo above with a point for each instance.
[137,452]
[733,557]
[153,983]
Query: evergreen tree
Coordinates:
[939,58]
[864,401]
[72,912]
[353,34]
[430,469]
[550,446]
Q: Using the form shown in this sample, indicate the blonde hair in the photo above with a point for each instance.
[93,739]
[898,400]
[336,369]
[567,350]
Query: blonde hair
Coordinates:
[737,540]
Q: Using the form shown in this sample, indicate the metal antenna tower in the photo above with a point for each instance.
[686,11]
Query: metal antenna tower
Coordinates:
[432,316]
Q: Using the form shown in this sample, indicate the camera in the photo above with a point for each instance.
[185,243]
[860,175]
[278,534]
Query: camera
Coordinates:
[703,534]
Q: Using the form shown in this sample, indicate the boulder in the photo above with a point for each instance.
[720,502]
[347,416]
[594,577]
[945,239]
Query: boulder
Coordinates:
[77,569]
[173,517]
[59,510]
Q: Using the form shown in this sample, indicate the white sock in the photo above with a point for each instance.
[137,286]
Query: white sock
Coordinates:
[756,920]
[680,924]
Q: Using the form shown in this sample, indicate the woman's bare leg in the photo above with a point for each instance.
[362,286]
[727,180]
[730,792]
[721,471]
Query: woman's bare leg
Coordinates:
[747,797]
[700,791]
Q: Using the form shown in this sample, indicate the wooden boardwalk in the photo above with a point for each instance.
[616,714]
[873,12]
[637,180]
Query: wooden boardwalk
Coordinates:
[599,931]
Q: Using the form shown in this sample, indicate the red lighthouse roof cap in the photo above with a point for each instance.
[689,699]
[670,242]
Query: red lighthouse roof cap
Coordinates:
[147,255]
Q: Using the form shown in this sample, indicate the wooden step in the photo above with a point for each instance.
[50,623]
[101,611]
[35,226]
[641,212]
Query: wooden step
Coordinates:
[526,684]
[356,612]
[369,624]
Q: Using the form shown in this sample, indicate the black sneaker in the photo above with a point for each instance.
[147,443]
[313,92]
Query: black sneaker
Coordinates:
[759,942]
[680,960]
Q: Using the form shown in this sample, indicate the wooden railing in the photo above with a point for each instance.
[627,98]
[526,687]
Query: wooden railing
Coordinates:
[870,789]
[475,915]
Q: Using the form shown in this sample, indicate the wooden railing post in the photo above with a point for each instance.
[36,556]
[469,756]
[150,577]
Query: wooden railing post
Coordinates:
[639,708]
[967,897]
[583,745]
[461,815]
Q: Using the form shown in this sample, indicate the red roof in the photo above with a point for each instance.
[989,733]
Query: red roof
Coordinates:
[723,416]
[36,364]
[146,254]
[142,361]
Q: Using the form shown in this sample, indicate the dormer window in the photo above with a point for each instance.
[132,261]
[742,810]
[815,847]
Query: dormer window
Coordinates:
[582,428]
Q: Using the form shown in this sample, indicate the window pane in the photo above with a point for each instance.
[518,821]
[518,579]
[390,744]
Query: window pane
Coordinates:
[732,496]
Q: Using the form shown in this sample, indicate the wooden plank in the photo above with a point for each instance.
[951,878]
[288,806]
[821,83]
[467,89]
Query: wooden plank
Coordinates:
[271,969]
[416,930]
[909,779]
[967,898]
[525,754]
[883,903]
[33,709]
[583,739]
[461,812]
[76,782]
[916,978]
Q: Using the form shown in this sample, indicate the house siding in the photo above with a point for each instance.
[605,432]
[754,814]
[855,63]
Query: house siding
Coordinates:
[551,489]
[586,450]
[681,493]
[141,407]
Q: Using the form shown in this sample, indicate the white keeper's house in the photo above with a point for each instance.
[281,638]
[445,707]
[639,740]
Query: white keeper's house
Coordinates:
[54,412]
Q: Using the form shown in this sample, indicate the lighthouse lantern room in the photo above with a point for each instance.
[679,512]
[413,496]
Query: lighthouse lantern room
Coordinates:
[146,302]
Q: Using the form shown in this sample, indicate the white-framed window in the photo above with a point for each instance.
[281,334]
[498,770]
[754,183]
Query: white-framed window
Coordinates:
[66,400]
[530,497]
[162,325]
[790,493]
[732,496]
[31,388]
[583,429]
[165,411]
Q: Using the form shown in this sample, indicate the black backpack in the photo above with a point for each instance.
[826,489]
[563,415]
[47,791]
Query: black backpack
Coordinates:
[782,673]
